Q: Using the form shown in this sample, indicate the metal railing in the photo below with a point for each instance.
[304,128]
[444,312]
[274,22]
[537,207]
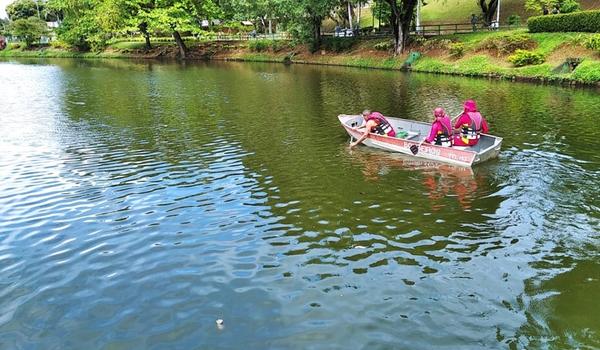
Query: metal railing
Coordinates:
[427,30]
[458,28]
[208,37]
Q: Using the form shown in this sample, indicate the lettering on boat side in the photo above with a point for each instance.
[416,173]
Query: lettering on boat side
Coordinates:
[441,152]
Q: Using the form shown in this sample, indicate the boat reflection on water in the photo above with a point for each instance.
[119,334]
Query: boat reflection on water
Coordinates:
[439,180]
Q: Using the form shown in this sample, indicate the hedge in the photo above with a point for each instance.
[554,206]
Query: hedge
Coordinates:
[584,21]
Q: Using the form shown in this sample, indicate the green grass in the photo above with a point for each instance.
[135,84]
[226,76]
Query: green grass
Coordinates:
[475,65]
[538,71]
[588,72]
[548,42]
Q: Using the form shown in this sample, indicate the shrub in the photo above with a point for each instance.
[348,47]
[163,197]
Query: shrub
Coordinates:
[508,43]
[433,44]
[584,21]
[266,44]
[384,46]
[338,44]
[457,49]
[514,20]
[525,58]
[259,45]
[593,42]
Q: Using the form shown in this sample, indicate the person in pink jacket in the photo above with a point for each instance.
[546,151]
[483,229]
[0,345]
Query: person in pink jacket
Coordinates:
[375,122]
[441,129]
[469,125]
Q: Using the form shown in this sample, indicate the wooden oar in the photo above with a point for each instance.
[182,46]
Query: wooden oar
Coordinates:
[415,149]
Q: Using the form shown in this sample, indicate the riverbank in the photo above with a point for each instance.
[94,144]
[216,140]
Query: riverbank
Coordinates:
[560,58]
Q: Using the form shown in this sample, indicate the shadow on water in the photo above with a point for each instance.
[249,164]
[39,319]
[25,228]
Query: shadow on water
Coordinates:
[144,200]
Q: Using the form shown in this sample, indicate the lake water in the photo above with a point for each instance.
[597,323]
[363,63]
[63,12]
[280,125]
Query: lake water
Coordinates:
[142,201]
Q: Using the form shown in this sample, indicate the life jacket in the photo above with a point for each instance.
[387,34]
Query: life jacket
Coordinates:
[472,131]
[444,138]
[383,126]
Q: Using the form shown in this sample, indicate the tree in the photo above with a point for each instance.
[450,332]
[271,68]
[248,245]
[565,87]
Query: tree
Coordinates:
[80,27]
[488,8]
[176,17]
[402,13]
[23,9]
[568,6]
[304,18]
[29,30]
[565,6]
[4,26]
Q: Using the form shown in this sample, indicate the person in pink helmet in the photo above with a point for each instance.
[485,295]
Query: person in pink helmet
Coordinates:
[441,129]
[469,125]
[376,123]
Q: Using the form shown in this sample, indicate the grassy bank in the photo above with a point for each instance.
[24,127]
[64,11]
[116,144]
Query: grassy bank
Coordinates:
[483,54]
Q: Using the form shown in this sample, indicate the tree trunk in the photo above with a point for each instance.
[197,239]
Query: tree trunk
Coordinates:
[396,26]
[350,16]
[488,10]
[143,27]
[317,33]
[182,48]
[147,37]
[400,20]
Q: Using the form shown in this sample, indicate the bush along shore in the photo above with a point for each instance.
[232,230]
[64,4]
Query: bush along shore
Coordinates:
[561,58]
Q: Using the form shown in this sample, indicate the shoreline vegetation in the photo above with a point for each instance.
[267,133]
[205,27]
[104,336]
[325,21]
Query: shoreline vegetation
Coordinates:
[517,55]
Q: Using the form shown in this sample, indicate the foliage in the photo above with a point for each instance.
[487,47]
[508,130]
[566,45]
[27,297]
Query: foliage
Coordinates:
[584,21]
[593,42]
[23,9]
[548,6]
[4,24]
[384,45]
[338,44]
[507,43]
[457,49]
[525,58]
[265,45]
[568,6]
[514,20]
[234,27]
[29,30]
[381,9]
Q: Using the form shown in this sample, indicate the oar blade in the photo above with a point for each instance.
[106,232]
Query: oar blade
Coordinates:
[414,149]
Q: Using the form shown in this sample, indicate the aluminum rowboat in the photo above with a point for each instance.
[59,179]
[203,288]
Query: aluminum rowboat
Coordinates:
[488,146]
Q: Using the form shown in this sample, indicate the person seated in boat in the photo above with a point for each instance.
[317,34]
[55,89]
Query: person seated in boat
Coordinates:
[441,129]
[469,126]
[376,123]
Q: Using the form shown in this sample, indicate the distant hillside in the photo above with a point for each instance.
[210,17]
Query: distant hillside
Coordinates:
[459,11]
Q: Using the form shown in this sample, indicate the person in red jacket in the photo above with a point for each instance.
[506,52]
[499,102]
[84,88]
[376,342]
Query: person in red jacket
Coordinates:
[469,125]
[375,122]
